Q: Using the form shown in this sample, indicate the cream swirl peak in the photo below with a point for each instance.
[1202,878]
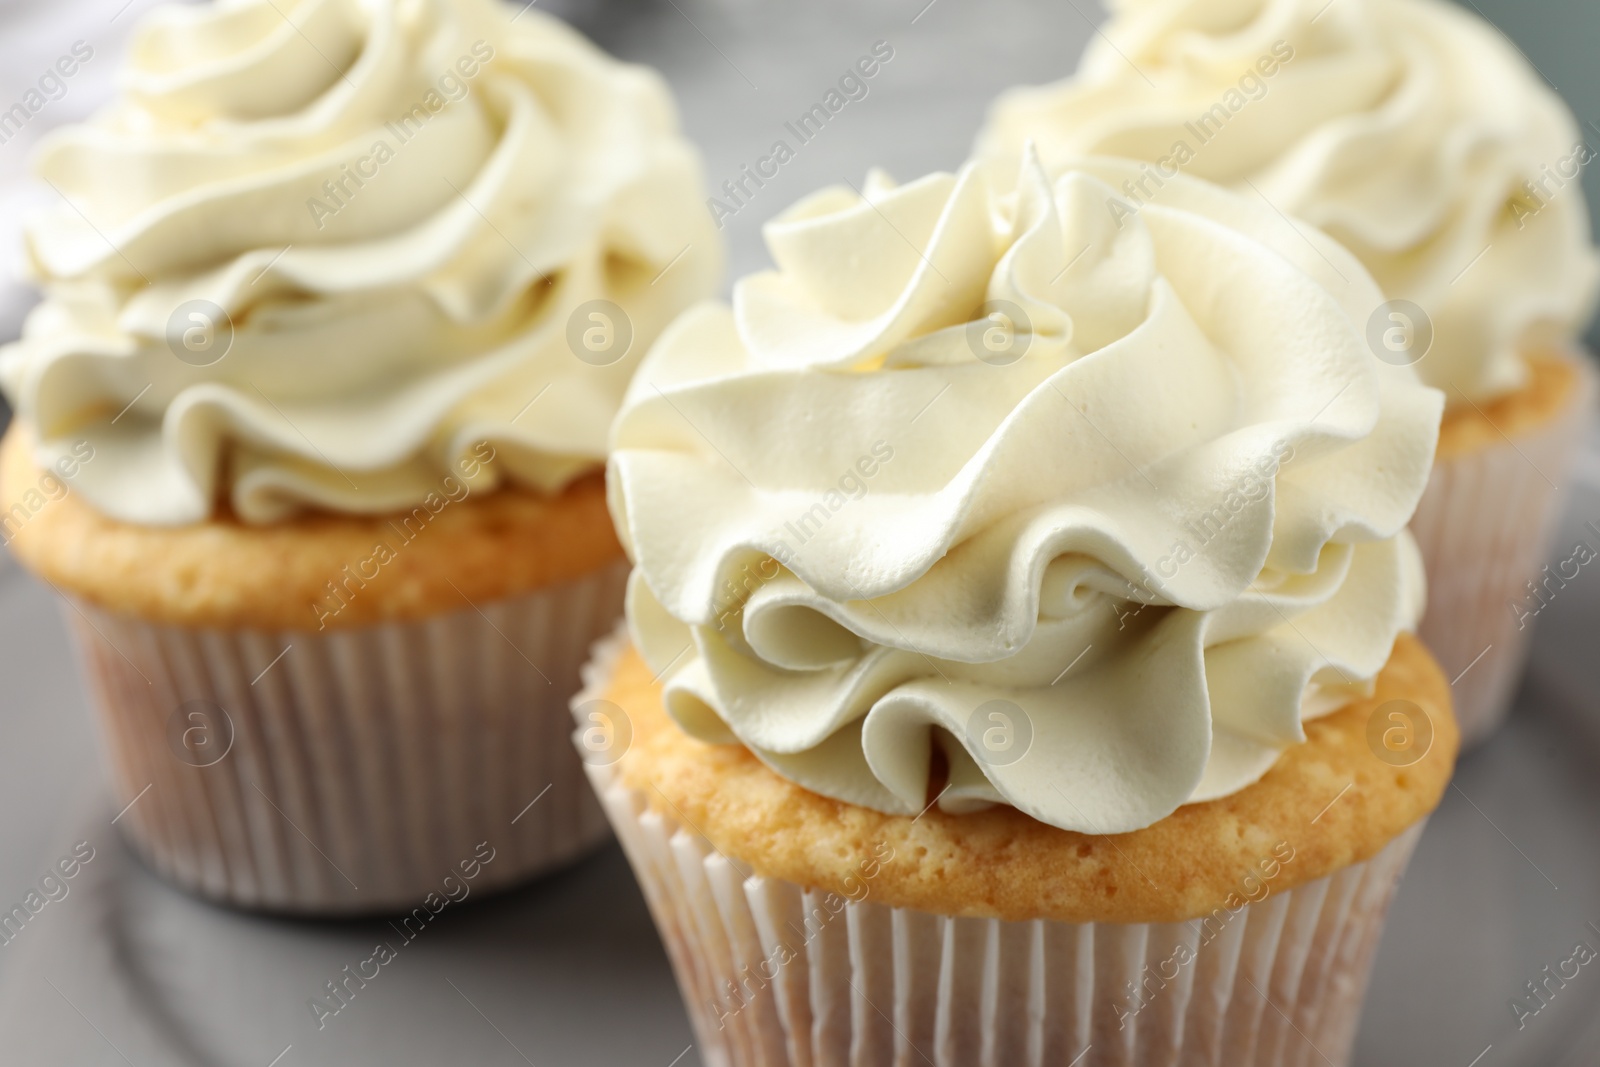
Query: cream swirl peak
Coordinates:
[1409,130]
[1098,552]
[318,252]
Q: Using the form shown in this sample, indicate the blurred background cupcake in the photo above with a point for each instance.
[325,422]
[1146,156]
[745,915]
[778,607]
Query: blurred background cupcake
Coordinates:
[1028,572]
[1415,134]
[340,301]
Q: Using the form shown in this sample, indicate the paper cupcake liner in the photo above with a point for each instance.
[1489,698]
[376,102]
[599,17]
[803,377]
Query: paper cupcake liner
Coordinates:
[352,770]
[777,975]
[1485,527]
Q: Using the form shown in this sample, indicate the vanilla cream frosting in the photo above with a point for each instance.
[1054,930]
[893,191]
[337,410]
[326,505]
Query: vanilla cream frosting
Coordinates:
[1151,514]
[329,253]
[1410,130]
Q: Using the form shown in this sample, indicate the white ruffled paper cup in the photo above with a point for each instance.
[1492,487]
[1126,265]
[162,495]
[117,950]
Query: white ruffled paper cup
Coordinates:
[776,974]
[354,771]
[1485,528]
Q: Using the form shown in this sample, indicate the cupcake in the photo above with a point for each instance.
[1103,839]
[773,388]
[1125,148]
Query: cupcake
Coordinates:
[1019,665]
[1413,133]
[340,300]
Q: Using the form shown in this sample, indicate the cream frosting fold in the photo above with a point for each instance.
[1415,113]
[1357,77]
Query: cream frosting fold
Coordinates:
[996,444]
[393,218]
[1409,130]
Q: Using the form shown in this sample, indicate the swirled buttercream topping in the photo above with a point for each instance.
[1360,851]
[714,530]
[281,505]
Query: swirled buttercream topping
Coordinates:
[1002,491]
[328,253]
[1409,130]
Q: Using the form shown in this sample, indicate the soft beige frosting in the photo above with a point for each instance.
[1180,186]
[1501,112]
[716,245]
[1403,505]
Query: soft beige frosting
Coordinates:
[399,205]
[1159,517]
[1410,130]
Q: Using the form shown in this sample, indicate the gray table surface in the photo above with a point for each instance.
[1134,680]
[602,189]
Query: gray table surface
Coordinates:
[569,971]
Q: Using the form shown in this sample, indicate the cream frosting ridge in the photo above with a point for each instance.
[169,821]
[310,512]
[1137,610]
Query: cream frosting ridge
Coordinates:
[1152,523]
[1409,130]
[400,209]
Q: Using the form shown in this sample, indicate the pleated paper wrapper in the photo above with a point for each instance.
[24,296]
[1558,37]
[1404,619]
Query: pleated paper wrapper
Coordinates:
[1485,527]
[352,770]
[774,974]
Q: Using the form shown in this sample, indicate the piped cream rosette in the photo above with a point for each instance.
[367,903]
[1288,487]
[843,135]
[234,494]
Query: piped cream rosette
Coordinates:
[318,252]
[1411,131]
[1158,516]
